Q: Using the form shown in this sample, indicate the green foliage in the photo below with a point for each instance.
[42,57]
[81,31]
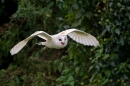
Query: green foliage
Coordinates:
[114,49]
[75,65]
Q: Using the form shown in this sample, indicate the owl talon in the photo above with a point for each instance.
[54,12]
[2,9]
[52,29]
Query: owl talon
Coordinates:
[40,43]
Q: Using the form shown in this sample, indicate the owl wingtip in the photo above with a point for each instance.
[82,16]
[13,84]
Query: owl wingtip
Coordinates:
[12,53]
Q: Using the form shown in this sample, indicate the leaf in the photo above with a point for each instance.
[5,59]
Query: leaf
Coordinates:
[75,5]
[77,69]
[77,23]
[122,41]
[55,65]
[78,15]
[117,31]
[47,1]
[115,13]
[70,80]
[91,79]
[97,67]
[112,63]
[110,4]
[65,71]
[14,16]
[108,27]
[104,82]
[103,32]
[50,4]
[61,78]
[2,1]
[106,56]
[125,76]
[60,5]
[104,1]
[98,55]
[60,66]
[90,68]
[107,73]
[128,8]
[64,4]
[48,64]
[89,14]
[71,51]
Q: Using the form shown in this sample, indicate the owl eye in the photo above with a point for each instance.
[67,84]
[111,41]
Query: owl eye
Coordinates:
[60,40]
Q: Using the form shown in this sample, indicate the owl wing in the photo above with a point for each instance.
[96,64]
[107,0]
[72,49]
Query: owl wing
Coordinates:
[22,43]
[81,37]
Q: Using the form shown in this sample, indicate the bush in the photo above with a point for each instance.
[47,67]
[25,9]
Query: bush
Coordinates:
[75,65]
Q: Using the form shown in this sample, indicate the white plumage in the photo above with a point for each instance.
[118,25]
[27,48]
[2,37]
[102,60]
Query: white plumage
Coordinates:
[58,40]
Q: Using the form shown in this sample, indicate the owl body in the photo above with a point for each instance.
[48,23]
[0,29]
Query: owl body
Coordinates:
[57,42]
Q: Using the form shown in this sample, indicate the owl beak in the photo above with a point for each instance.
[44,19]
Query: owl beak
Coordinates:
[62,43]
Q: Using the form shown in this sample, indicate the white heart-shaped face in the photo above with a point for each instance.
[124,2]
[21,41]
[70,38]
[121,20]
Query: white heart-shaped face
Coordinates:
[61,40]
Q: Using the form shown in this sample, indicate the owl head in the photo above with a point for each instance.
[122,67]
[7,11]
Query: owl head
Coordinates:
[61,40]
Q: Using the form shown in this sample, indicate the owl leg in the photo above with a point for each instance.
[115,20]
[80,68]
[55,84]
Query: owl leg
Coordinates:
[40,43]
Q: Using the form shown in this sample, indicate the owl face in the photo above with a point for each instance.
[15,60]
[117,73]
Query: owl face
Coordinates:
[62,40]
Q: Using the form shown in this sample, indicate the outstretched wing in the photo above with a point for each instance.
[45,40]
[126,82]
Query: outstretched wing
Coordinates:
[81,37]
[21,44]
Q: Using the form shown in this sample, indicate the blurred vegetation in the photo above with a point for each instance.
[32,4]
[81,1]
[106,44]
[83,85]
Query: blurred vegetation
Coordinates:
[75,65]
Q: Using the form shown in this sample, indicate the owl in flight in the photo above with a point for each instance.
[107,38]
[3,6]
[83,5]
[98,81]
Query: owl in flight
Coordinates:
[59,40]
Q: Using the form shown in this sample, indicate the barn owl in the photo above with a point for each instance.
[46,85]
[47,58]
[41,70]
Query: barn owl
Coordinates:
[59,40]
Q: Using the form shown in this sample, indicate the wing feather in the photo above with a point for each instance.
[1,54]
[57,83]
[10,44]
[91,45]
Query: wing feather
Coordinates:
[95,42]
[90,41]
[21,44]
[85,41]
[81,37]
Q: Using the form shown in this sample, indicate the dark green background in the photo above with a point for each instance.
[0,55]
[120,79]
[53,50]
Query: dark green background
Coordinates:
[75,65]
